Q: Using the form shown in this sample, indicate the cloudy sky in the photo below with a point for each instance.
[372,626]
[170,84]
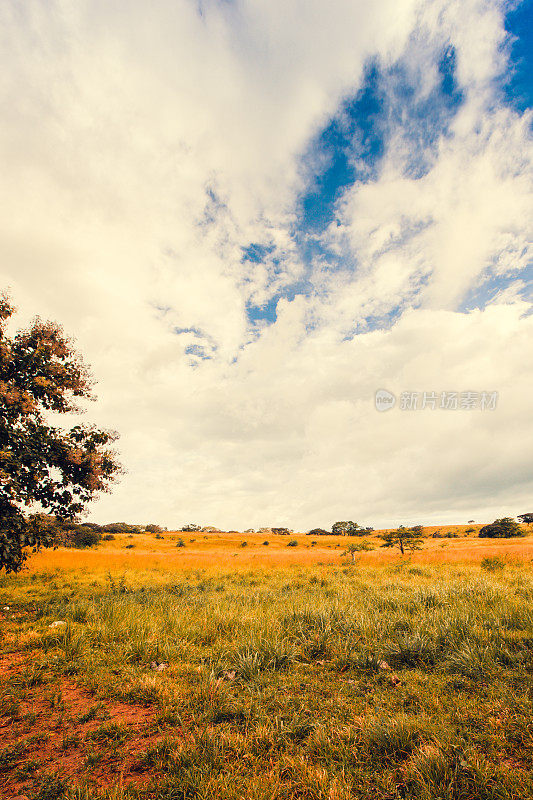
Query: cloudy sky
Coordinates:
[254,214]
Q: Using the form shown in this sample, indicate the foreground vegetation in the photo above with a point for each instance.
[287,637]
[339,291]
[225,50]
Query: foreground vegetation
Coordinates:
[386,681]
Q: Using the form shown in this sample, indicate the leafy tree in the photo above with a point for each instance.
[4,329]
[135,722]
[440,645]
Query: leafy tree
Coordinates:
[503,528]
[404,538]
[56,469]
[526,519]
[191,527]
[319,532]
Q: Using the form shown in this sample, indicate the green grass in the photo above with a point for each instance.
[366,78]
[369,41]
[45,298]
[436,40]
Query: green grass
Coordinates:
[333,683]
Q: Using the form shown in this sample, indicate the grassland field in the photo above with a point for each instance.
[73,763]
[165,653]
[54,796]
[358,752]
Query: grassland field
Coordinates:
[220,669]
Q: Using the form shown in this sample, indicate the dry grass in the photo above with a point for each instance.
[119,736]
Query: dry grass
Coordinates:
[286,672]
[226,551]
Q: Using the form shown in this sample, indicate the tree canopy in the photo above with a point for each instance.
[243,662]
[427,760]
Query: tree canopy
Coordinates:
[503,528]
[43,468]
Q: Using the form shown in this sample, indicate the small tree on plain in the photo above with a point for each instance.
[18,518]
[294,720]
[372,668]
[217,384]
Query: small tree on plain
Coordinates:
[526,519]
[357,547]
[409,539]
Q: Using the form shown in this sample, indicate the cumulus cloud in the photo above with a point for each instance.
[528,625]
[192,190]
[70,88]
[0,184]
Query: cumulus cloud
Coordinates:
[145,151]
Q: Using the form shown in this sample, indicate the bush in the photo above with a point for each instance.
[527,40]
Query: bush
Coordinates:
[292,543]
[181,543]
[319,532]
[109,537]
[82,537]
[265,543]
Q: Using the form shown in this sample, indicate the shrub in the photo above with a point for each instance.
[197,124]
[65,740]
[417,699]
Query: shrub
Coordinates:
[265,543]
[492,563]
[109,537]
[181,543]
[82,537]
[292,543]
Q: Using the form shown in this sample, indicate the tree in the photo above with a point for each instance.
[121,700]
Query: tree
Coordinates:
[503,528]
[55,469]
[526,519]
[345,528]
[404,538]
[121,527]
[357,547]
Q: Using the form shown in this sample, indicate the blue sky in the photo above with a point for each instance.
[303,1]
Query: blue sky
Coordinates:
[253,215]
[349,148]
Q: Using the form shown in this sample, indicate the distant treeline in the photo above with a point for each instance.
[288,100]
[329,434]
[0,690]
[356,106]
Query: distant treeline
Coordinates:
[66,533]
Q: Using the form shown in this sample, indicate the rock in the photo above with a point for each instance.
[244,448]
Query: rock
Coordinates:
[57,624]
[159,667]
[229,675]
[5,608]
[394,680]
[383,665]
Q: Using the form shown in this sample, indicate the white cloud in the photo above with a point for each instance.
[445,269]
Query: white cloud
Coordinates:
[143,149]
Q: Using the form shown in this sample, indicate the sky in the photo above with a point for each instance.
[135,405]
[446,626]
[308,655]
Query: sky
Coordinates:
[252,215]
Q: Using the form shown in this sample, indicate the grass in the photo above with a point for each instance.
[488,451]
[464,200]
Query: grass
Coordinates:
[388,678]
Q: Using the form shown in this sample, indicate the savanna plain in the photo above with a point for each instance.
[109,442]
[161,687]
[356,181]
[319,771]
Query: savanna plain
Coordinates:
[184,666]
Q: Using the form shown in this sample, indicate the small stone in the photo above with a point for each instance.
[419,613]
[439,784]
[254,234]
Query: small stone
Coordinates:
[57,624]
[229,675]
[5,608]
[394,680]
[383,665]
